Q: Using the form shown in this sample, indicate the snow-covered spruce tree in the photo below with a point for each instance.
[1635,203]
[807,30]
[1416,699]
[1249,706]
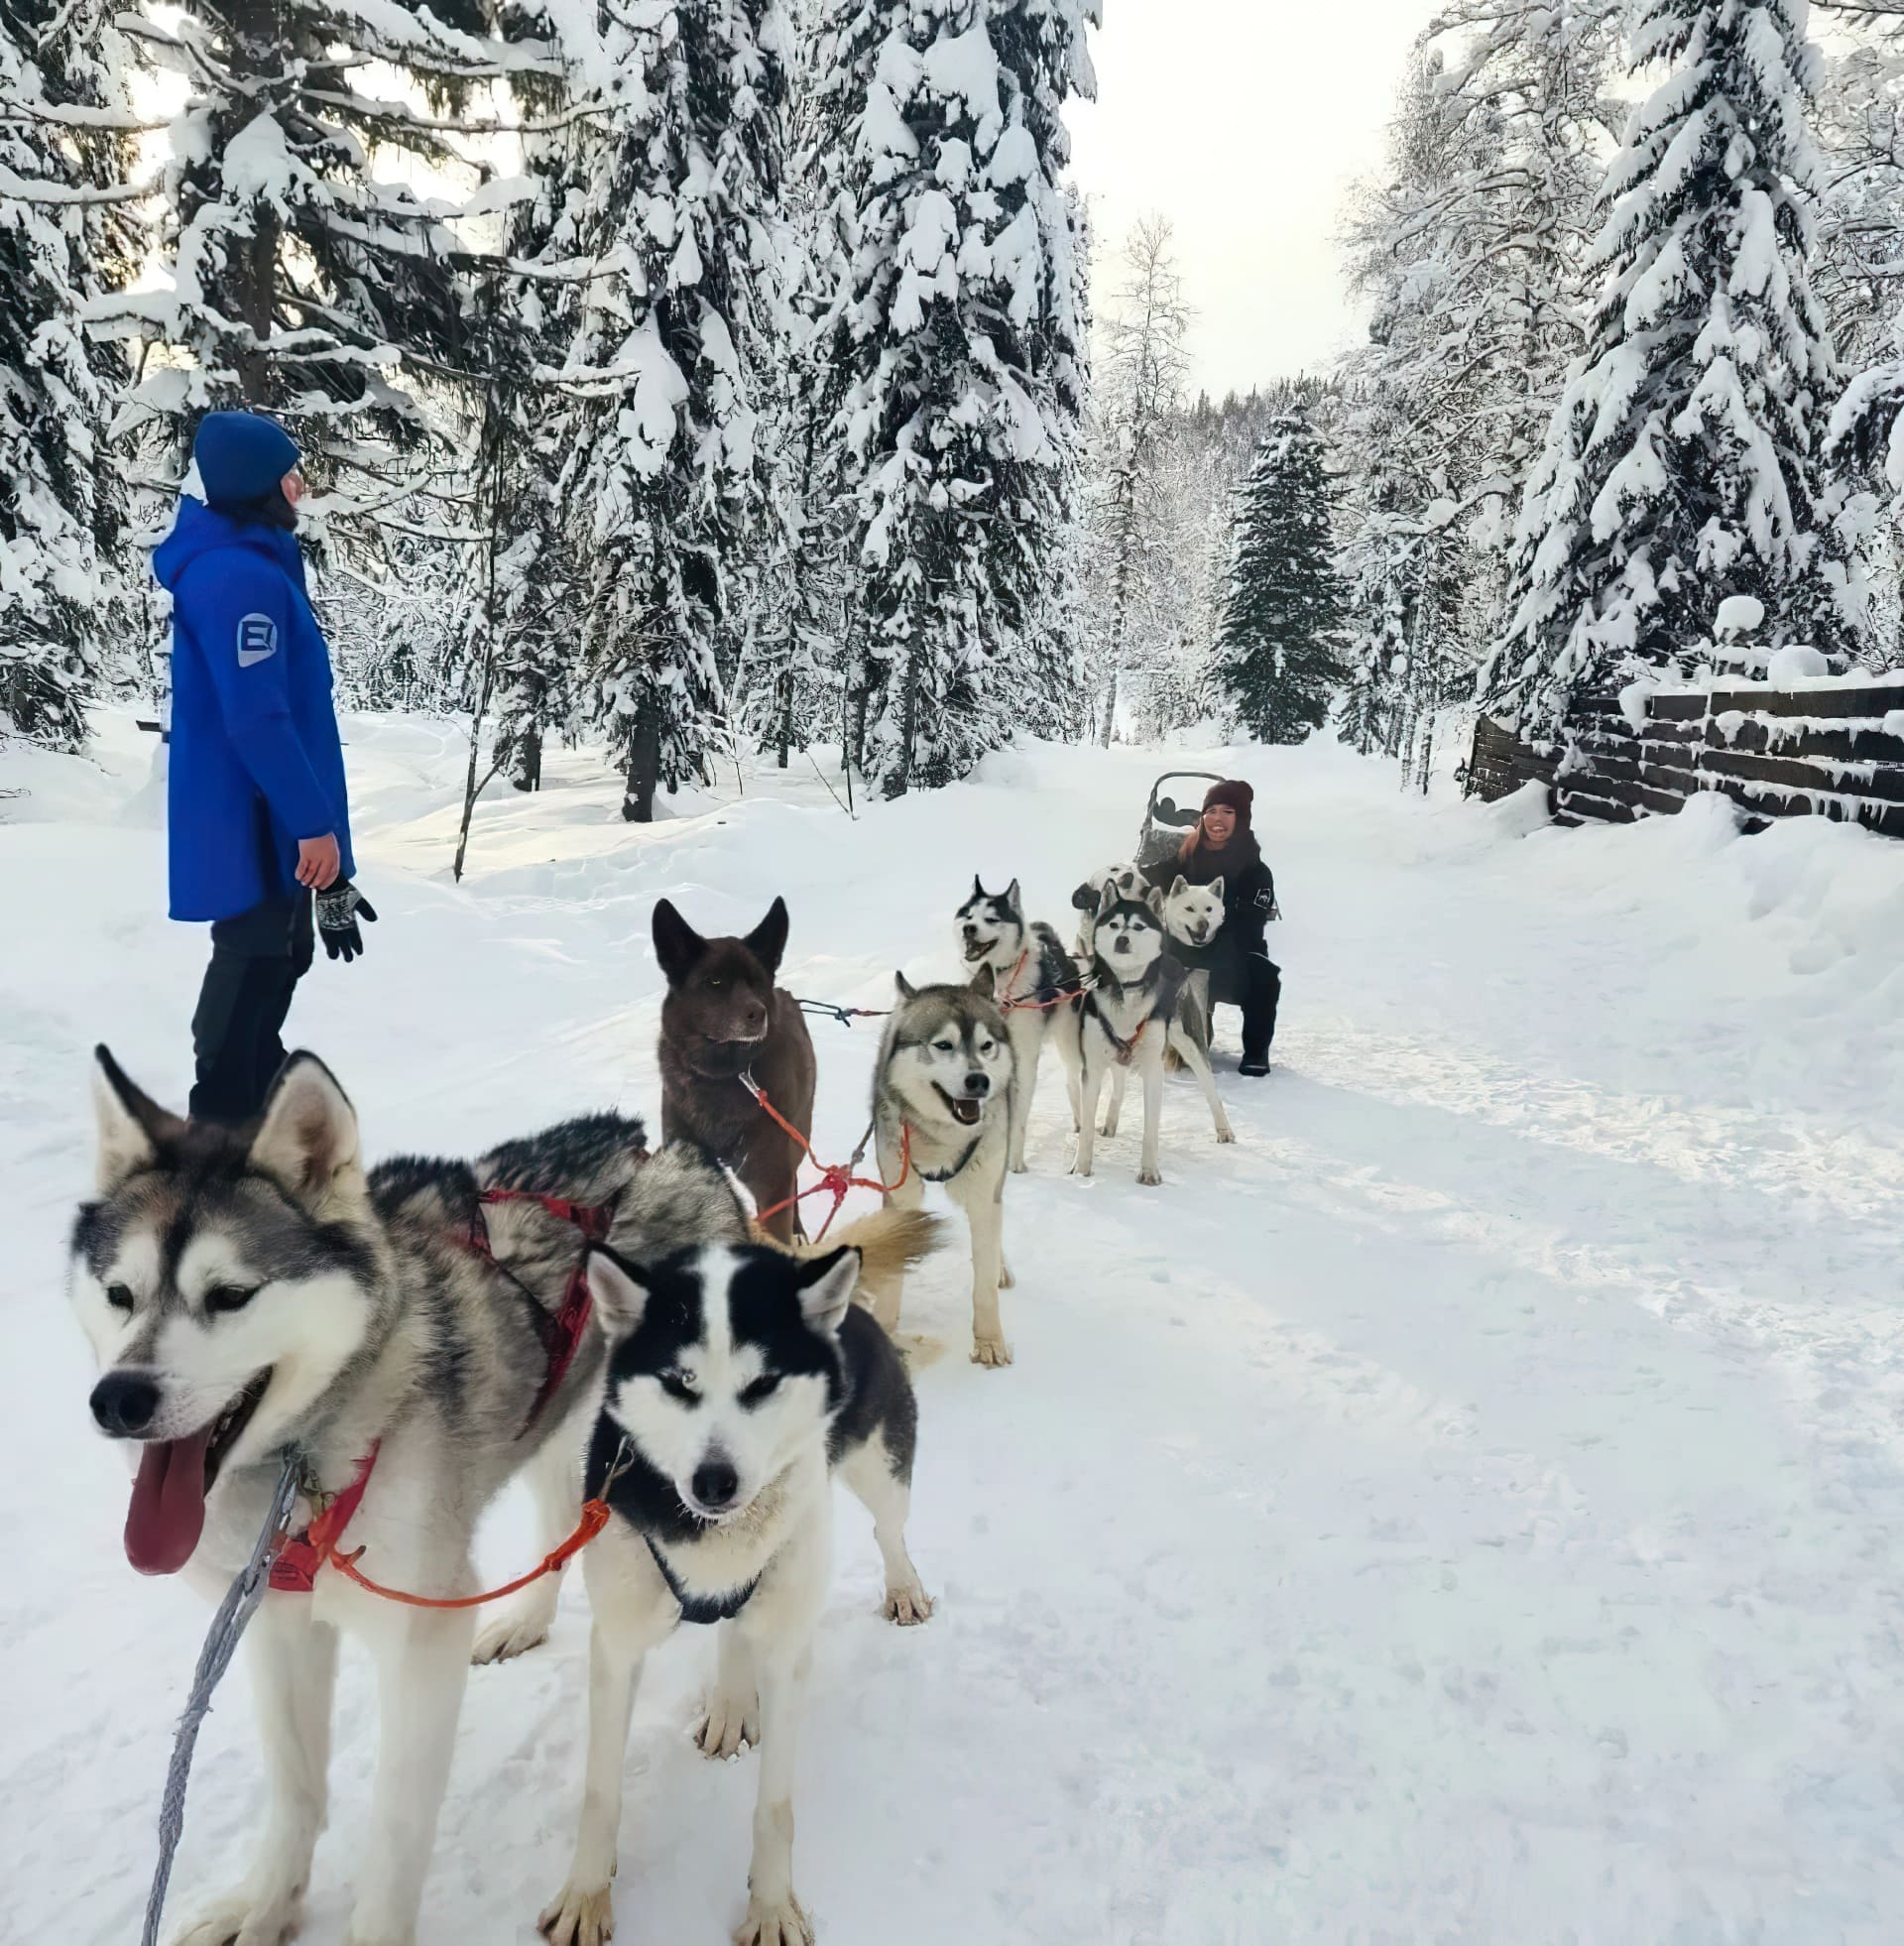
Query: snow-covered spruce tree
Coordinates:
[956,325]
[66,238]
[1471,252]
[1277,654]
[669,359]
[1682,464]
[304,277]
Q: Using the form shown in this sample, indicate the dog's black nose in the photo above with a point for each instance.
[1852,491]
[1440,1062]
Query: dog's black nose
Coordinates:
[715,1484]
[978,1084]
[123,1403]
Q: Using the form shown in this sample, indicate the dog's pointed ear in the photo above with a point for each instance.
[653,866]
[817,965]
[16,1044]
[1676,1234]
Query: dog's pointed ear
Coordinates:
[826,1286]
[1216,885]
[1153,898]
[133,1128]
[676,944]
[907,990]
[1010,897]
[985,982]
[308,1135]
[1179,885]
[619,1291]
[1107,897]
[978,886]
[768,941]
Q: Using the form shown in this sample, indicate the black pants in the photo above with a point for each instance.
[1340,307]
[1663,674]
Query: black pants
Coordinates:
[257,960]
[1252,982]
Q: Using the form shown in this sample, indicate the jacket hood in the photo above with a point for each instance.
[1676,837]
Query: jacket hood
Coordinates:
[201,530]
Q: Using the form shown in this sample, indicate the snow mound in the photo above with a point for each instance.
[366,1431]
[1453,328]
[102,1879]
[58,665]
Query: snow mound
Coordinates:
[1795,664]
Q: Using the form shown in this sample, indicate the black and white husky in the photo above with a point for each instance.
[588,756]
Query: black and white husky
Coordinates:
[1032,973]
[942,1100]
[1140,1003]
[257,1293]
[739,1382]
[1128,882]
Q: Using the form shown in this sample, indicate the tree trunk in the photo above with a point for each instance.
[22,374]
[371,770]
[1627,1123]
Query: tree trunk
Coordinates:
[643,766]
[786,715]
[1109,707]
[526,758]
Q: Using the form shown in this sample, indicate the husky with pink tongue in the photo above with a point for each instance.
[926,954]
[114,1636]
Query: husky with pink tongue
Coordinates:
[257,1295]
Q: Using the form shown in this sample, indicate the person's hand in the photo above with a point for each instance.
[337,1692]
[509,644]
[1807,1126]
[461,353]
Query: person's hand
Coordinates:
[338,910]
[318,862]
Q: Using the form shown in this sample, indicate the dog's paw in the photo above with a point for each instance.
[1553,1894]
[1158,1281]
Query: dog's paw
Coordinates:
[731,1722]
[1226,1135]
[578,1918]
[242,1918]
[994,1352]
[1006,1281]
[774,1925]
[361,1934]
[907,1606]
[515,1631]
[1150,1178]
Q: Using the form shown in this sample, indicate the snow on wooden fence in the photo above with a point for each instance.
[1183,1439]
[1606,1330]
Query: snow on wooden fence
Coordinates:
[1831,747]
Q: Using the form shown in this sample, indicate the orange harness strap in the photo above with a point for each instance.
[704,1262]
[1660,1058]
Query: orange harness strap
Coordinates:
[835,1179]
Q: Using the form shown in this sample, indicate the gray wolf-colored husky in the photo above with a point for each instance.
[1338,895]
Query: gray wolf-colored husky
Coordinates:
[739,1380]
[1030,975]
[942,1092]
[249,1294]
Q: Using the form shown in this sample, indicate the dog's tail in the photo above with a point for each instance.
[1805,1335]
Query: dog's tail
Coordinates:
[889,1242]
[1173,1060]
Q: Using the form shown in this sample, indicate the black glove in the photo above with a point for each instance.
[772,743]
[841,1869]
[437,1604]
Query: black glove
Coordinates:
[338,910]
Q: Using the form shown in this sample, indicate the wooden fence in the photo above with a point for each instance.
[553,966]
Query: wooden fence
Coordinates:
[1834,749]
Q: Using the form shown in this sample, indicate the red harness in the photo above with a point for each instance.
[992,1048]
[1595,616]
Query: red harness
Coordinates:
[294,1569]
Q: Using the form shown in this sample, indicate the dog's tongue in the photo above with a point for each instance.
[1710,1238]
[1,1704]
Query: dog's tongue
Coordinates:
[168,1510]
[966,1110]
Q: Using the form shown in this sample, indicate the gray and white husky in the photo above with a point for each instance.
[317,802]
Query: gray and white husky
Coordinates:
[942,1100]
[257,1293]
[739,1382]
[1031,974]
[1141,1003]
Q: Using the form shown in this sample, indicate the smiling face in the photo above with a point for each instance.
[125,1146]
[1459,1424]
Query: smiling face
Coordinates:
[1194,913]
[991,928]
[724,1365]
[222,1285]
[1219,826]
[948,1052]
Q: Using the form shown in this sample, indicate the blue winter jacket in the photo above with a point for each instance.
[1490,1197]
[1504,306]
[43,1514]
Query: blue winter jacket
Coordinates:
[256,763]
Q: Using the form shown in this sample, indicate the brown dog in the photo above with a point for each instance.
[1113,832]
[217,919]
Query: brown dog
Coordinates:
[724,1017]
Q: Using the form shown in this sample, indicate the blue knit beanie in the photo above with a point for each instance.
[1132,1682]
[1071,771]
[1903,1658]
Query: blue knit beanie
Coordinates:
[241,456]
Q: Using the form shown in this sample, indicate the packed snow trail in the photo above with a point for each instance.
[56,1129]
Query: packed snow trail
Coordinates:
[1466,1508]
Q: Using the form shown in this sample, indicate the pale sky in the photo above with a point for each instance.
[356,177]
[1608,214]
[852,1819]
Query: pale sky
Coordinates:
[1244,122]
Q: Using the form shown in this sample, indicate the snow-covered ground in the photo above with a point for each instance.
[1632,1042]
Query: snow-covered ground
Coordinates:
[1466,1509]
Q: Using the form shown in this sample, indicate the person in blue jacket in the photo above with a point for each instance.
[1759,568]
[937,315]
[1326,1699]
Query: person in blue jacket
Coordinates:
[258,819]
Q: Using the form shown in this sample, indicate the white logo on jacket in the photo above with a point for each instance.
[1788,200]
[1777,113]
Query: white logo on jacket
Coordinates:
[257,640]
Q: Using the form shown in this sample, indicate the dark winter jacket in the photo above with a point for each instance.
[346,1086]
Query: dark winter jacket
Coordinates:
[1248,892]
[256,763]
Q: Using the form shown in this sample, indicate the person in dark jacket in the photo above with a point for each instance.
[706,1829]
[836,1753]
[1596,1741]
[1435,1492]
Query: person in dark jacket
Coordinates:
[1241,973]
[258,819]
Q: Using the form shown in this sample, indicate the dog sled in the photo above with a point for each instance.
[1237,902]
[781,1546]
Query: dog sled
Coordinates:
[1166,821]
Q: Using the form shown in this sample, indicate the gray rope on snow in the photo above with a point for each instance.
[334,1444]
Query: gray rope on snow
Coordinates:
[221,1642]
